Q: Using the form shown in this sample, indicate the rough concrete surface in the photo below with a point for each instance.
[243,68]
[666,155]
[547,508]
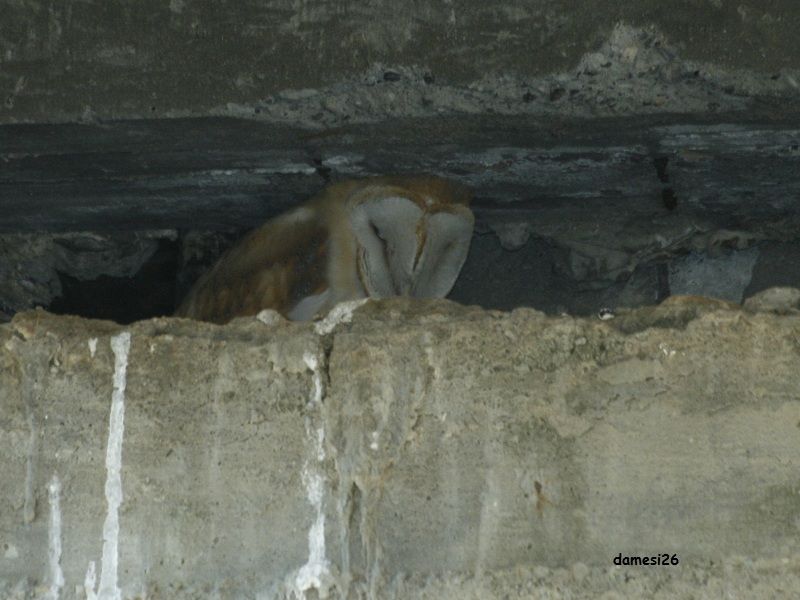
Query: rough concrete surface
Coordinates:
[411,450]
[320,64]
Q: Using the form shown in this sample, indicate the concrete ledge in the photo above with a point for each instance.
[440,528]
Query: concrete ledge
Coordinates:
[463,452]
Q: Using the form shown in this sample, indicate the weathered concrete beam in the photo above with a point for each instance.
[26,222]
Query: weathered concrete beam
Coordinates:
[196,57]
[216,174]
[421,446]
[212,457]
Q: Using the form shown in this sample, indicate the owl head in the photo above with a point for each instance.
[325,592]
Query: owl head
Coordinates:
[412,235]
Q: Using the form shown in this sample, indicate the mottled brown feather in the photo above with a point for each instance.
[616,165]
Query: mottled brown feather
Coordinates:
[290,257]
[272,267]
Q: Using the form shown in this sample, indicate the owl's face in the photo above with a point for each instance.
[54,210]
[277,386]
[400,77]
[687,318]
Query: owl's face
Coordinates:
[409,244]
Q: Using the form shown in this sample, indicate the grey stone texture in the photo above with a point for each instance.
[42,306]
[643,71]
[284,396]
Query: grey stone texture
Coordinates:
[458,452]
[318,63]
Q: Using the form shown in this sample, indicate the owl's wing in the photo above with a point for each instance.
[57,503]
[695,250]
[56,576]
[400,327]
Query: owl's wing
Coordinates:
[274,266]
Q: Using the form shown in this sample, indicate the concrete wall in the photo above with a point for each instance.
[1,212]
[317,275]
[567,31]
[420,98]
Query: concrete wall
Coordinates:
[113,59]
[419,450]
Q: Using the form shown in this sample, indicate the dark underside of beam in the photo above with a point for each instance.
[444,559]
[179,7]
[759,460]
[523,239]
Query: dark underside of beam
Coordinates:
[220,173]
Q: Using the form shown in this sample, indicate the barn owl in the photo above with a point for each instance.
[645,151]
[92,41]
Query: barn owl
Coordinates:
[376,237]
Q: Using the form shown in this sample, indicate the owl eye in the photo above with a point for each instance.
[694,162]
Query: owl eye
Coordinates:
[377,231]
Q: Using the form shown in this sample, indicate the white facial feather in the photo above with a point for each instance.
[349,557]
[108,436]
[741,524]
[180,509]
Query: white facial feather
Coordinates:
[386,232]
[446,247]
[404,251]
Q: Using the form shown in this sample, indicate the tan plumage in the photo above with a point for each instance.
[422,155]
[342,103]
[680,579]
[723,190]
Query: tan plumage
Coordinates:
[381,236]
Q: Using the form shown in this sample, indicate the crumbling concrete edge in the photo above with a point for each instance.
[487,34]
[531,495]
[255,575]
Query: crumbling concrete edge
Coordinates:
[319,574]
[354,504]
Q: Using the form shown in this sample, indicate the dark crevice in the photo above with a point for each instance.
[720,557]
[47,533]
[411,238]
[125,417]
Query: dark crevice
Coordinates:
[323,171]
[150,292]
[669,198]
[660,164]
[355,551]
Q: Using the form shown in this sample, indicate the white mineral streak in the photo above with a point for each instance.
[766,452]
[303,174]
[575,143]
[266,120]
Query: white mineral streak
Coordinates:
[29,506]
[312,362]
[341,313]
[320,446]
[489,519]
[54,539]
[313,575]
[109,590]
[89,582]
